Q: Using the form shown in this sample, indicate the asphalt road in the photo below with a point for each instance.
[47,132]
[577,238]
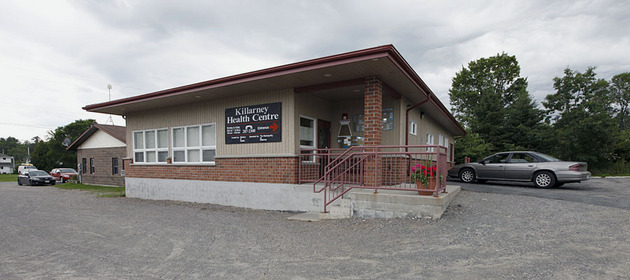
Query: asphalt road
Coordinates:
[49,233]
[609,192]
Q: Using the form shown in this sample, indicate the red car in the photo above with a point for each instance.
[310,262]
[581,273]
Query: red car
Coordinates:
[63,174]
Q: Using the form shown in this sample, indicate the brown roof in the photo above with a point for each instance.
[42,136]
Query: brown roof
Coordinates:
[384,61]
[116,131]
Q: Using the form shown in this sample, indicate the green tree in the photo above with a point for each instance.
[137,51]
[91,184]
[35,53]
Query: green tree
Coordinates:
[582,117]
[472,146]
[491,99]
[620,90]
[52,153]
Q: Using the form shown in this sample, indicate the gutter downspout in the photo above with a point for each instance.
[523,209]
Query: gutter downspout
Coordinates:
[407,129]
[407,119]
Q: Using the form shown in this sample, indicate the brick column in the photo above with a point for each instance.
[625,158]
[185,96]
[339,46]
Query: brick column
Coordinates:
[373,124]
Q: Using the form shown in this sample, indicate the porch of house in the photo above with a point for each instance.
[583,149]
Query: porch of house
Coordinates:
[377,181]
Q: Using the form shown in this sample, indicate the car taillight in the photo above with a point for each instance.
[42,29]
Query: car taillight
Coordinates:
[575,167]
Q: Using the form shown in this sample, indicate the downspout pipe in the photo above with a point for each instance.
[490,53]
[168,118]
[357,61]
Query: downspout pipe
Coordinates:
[407,118]
[407,129]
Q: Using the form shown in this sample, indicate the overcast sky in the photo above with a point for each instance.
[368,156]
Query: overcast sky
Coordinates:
[58,56]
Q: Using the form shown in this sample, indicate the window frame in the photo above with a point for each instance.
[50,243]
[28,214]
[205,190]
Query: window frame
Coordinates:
[92,168]
[115,168]
[201,148]
[413,128]
[430,141]
[144,150]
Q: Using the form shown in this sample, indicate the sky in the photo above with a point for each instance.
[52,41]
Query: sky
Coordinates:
[58,56]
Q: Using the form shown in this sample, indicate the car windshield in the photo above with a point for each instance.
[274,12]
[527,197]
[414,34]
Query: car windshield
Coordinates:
[547,157]
[67,170]
[30,167]
[38,173]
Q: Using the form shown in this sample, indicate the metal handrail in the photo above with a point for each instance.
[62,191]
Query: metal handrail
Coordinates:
[340,174]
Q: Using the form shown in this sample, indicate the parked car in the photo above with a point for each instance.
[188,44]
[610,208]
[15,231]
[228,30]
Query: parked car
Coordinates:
[63,174]
[25,168]
[35,177]
[525,166]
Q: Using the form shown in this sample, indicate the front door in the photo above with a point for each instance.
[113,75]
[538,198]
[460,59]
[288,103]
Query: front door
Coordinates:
[323,134]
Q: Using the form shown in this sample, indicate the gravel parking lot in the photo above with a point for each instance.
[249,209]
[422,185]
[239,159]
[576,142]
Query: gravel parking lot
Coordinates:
[48,233]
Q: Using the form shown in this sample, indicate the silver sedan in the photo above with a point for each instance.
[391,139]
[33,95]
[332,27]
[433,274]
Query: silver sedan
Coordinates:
[525,166]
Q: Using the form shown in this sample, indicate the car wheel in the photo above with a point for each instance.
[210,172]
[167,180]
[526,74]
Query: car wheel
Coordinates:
[19,183]
[544,179]
[53,183]
[467,175]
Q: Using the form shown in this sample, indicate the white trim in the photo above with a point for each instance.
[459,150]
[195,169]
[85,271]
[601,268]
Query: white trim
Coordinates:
[413,128]
[144,150]
[314,146]
[186,149]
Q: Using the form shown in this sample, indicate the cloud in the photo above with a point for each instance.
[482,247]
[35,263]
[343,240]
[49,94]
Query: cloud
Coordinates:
[65,54]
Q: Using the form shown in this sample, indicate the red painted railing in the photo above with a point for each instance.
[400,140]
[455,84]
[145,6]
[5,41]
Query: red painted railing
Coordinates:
[336,171]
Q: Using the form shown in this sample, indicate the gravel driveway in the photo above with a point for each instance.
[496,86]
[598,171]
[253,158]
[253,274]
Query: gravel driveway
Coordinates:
[48,233]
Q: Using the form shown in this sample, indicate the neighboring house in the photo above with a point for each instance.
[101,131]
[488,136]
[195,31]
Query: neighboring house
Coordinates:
[237,140]
[7,164]
[100,152]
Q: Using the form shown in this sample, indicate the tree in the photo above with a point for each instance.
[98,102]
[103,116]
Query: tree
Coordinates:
[620,90]
[52,153]
[491,99]
[472,146]
[581,113]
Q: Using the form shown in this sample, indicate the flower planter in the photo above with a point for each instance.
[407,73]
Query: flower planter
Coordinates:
[427,190]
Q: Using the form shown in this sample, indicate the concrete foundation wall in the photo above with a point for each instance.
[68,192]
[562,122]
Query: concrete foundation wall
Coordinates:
[266,196]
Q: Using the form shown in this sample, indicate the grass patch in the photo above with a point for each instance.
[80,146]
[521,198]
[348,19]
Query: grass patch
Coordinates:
[8,177]
[101,190]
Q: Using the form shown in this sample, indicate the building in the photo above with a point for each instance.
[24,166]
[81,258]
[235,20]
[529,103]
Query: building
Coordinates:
[252,139]
[7,164]
[100,150]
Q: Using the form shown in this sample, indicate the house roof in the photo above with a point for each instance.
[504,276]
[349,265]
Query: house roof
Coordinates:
[116,131]
[340,70]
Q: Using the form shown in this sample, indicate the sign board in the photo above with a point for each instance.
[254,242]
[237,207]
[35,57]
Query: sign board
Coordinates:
[254,124]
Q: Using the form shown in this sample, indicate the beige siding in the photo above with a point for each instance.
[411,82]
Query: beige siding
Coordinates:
[214,112]
[314,107]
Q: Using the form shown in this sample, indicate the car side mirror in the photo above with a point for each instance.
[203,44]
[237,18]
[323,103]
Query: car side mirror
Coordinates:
[483,162]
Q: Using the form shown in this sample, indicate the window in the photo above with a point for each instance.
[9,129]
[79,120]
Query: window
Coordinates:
[358,120]
[91,166]
[307,135]
[84,165]
[150,146]
[521,158]
[430,142]
[447,148]
[500,158]
[388,118]
[114,166]
[195,143]
[307,132]
[413,128]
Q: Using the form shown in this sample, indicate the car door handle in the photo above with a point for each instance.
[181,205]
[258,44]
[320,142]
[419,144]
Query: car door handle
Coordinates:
[531,165]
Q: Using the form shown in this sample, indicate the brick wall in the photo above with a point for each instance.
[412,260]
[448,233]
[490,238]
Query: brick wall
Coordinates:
[102,166]
[373,123]
[281,170]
